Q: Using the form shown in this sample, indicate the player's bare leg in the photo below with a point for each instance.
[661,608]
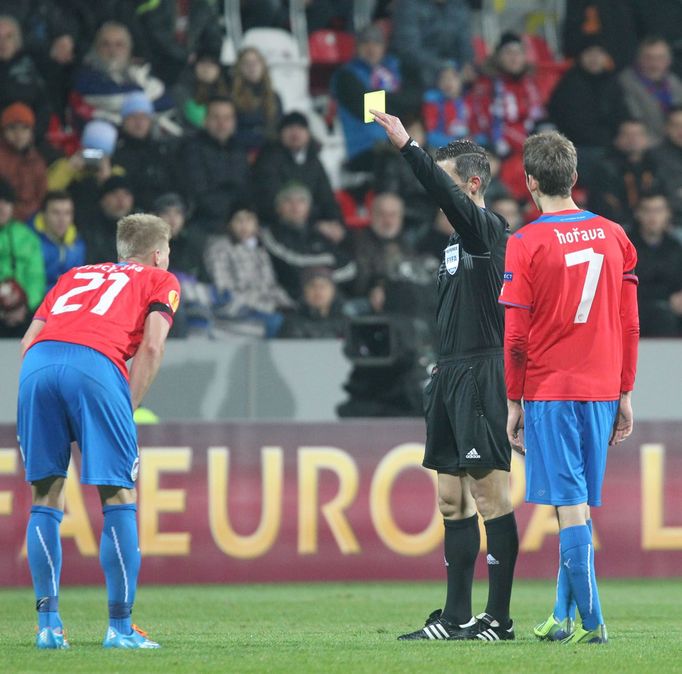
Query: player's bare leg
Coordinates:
[490,489]
[577,559]
[44,551]
[120,560]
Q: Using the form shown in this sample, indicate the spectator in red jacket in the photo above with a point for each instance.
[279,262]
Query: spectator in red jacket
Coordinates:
[20,163]
[506,106]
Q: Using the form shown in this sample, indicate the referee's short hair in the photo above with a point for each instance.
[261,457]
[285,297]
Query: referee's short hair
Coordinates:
[469,159]
[553,161]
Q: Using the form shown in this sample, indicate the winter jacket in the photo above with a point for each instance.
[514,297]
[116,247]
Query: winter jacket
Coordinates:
[428,32]
[27,173]
[58,256]
[149,165]
[668,160]
[216,177]
[643,103]
[21,259]
[349,84]
[587,108]
[276,166]
[295,249]
[246,271]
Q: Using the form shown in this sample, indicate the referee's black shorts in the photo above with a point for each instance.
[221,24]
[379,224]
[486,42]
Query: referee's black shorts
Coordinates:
[465,406]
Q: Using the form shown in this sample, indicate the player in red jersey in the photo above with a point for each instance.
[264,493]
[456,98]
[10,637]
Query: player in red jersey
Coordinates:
[74,387]
[571,334]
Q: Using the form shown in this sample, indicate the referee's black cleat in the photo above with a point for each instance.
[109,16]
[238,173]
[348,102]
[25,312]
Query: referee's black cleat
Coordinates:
[437,627]
[489,629]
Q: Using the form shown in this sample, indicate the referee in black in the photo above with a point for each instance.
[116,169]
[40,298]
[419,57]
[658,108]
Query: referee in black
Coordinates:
[465,401]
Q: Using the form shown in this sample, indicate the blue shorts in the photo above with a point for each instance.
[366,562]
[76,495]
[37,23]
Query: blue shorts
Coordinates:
[71,392]
[566,446]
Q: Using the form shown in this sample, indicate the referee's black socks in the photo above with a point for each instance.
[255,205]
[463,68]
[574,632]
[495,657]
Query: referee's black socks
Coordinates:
[503,547]
[462,543]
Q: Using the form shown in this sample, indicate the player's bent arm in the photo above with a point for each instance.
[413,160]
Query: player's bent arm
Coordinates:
[31,333]
[149,356]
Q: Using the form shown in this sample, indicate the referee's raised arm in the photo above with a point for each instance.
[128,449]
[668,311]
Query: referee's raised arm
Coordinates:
[478,230]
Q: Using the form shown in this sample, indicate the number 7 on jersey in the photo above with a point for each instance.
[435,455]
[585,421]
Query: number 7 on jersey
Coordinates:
[594,265]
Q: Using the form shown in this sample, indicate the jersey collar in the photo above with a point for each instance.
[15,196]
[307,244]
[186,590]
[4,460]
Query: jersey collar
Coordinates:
[571,215]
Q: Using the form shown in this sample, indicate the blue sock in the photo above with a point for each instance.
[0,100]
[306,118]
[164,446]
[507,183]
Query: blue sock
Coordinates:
[119,555]
[44,549]
[565,605]
[578,559]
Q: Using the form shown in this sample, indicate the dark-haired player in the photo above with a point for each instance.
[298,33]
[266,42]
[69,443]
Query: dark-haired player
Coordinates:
[465,403]
[74,386]
[570,345]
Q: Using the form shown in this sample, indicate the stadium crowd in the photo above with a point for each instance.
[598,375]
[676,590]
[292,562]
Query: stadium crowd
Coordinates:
[110,108]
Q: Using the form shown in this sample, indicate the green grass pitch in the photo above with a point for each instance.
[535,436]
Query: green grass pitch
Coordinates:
[338,627]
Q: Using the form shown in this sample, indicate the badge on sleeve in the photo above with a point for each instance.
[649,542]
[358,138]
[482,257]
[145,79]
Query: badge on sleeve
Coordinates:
[173,300]
[452,258]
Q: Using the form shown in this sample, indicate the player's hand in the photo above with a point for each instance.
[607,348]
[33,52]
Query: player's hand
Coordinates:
[393,126]
[515,426]
[622,426]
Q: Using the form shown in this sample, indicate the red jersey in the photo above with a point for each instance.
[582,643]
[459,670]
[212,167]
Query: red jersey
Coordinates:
[104,306]
[568,269]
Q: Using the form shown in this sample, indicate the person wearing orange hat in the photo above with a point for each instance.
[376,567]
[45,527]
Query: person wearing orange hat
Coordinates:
[21,165]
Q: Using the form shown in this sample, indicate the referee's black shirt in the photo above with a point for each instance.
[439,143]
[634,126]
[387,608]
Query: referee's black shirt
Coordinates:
[469,317]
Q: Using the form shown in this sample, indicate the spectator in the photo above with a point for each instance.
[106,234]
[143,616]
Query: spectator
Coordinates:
[393,174]
[216,170]
[510,210]
[61,244]
[371,69]
[20,163]
[332,14]
[202,79]
[294,245]
[320,315]
[428,32]
[380,250]
[19,77]
[186,262]
[506,106]
[433,238]
[446,112]
[22,272]
[148,162]
[659,269]
[612,22]
[668,158]
[109,74]
[651,89]
[187,254]
[85,171]
[627,171]
[293,158]
[115,202]
[587,106]
[56,64]
[258,106]
[243,275]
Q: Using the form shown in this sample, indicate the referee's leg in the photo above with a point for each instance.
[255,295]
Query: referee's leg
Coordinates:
[490,489]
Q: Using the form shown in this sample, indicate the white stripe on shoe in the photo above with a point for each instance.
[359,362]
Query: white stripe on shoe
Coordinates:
[49,560]
[442,629]
[120,559]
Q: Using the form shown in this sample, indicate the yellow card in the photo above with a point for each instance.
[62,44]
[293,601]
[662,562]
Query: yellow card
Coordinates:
[374,100]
